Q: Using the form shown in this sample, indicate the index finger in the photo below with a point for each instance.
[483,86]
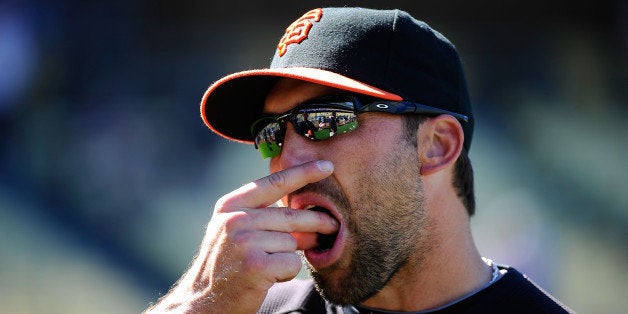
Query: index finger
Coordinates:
[268,190]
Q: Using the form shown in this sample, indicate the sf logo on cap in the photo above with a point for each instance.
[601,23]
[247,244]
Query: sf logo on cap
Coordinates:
[298,30]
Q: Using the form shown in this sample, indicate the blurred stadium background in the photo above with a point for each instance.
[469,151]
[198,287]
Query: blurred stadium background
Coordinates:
[108,176]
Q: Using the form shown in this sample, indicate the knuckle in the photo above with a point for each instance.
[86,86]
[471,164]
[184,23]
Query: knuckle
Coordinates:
[235,221]
[277,180]
[223,203]
[255,262]
[220,206]
[241,239]
[291,216]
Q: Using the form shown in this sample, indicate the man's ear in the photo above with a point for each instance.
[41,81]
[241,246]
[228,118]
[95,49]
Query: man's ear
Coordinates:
[440,143]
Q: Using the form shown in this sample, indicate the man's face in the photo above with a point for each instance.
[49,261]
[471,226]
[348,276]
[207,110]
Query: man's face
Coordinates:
[375,193]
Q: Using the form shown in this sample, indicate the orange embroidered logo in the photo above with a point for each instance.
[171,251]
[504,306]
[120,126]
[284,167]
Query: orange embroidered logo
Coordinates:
[298,30]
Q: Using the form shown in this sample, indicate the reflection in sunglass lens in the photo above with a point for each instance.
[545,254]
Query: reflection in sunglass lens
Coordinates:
[322,124]
[269,140]
[315,123]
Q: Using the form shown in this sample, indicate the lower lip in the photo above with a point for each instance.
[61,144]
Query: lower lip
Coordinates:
[326,258]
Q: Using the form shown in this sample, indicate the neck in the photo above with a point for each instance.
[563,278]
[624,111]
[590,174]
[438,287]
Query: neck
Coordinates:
[452,269]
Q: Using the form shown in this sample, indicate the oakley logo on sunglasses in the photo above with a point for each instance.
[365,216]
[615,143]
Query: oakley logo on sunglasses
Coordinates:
[321,118]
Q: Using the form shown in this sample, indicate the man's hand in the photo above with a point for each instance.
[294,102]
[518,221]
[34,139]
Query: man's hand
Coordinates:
[248,247]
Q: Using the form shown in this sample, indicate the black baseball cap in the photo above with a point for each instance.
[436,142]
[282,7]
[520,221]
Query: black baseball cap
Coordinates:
[386,54]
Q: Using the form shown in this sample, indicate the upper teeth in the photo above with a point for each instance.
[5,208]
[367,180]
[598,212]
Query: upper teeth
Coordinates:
[309,206]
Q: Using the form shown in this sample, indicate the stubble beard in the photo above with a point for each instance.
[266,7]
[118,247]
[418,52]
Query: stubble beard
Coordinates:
[386,228]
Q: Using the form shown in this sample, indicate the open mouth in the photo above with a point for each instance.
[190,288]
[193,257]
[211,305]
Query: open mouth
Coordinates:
[325,242]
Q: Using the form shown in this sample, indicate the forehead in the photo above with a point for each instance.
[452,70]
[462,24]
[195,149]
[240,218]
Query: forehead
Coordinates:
[288,93]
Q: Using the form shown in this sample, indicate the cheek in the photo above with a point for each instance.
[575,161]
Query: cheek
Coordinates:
[380,165]
[378,207]
[361,145]
[369,150]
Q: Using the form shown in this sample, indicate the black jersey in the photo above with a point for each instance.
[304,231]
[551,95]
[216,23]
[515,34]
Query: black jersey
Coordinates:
[512,293]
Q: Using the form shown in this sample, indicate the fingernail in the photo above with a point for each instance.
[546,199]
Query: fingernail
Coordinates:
[325,166]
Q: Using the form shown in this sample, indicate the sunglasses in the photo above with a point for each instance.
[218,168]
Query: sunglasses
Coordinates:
[321,118]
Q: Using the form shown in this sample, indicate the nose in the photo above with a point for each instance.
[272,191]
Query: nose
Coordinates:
[296,150]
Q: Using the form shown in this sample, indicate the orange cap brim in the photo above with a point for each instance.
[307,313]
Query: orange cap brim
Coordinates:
[215,112]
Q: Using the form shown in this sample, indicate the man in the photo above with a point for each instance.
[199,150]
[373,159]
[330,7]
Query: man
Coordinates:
[307,125]
[380,213]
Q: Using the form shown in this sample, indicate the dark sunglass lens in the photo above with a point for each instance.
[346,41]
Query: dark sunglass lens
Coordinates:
[346,122]
[321,124]
[306,123]
[269,140]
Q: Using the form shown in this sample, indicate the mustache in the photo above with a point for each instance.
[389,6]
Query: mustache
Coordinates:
[320,187]
[325,187]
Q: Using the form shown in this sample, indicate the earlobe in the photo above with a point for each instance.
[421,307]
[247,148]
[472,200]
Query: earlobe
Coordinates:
[440,143]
